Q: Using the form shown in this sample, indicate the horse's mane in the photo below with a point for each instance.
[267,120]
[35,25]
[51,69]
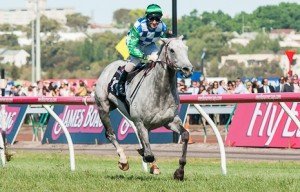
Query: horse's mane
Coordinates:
[161,48]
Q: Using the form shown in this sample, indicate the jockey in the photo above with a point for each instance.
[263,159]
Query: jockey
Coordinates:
[141,41]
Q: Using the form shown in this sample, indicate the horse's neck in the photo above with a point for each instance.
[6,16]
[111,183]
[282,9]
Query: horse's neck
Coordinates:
[164,80]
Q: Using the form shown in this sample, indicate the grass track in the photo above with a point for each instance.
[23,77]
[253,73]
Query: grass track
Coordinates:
[30,171]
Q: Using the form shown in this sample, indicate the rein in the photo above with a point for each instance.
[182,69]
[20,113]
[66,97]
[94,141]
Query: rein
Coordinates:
[167,62]
[167,58]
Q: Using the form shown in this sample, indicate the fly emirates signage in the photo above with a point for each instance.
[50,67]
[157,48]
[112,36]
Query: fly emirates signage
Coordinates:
[264,125]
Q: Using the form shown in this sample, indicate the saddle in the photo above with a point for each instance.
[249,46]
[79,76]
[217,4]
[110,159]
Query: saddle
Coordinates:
[112,86]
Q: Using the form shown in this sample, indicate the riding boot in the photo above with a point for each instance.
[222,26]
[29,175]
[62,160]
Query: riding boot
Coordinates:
[121,84]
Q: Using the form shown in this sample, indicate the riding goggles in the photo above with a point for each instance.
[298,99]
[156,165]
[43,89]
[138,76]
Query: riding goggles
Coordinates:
[157,19]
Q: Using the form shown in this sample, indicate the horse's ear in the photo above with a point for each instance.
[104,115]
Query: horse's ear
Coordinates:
[165,40]
[180,37]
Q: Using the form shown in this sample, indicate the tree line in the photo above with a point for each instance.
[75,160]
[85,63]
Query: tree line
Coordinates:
[209,31]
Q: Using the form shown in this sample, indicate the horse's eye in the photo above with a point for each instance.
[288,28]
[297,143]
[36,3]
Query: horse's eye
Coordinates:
[172,50]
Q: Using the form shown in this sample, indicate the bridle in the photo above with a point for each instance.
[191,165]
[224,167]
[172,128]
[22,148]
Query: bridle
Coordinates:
[167,61]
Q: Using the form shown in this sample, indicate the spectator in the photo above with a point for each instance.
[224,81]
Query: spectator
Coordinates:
[249,87]
[296,86]
[181,87]
[240,88]
[222,87]
[233,85]
[194,89]
[288,86]
[72,91]
[32,90]
[17,91]
[222,118]
[254,87]
[208,90]
[205,83]
[230,88]
[64,88]
[52,90]
[296,83]
[202,90]
[214,87]
[40,85]
[8,88]
[93,90]
[82,90]
[45,91]
[266,88]
[295,76]
[279,88]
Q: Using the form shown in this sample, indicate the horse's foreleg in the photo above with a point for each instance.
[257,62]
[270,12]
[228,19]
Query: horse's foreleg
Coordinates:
[143,134]
[110,135]
[146,151]
[8,155]
[176,126]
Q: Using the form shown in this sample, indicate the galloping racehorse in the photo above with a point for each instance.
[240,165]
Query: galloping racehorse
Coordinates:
[152,99]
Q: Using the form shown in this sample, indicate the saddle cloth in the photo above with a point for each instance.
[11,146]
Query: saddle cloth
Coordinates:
[112,86]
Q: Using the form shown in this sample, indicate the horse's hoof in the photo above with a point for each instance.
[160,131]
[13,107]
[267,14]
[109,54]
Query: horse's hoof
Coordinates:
[123,166]
[8,156]
[179,174]
[148,159]
[154,169]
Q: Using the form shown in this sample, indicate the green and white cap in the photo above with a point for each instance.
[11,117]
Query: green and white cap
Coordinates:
[153,10]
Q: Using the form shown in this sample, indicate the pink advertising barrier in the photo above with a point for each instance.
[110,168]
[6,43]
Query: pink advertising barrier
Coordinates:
[259,120]
[192,99]
[240,98]
[264,125]
[259,125]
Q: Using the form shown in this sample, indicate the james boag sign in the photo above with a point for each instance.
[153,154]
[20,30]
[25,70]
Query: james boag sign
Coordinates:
[264,125]
[85,126]
[82,122]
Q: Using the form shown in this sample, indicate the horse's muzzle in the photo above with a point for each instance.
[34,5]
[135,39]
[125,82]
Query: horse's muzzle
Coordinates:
[187,72]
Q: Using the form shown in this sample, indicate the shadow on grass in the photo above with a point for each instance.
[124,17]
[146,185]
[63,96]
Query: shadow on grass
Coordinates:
[145,177]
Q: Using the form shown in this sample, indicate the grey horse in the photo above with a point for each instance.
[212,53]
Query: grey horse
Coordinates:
[155,102]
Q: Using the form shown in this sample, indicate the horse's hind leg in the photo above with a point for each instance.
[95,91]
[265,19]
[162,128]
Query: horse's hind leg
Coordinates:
[103,109]
[176,125]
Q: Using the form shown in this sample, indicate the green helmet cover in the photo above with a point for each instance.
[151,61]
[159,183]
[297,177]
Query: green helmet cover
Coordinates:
[154,9]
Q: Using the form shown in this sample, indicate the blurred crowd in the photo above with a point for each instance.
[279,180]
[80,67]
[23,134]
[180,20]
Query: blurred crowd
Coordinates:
[50,88]
[237,86]
[83,88]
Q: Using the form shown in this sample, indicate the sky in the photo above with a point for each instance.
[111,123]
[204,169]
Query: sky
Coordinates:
[102,10]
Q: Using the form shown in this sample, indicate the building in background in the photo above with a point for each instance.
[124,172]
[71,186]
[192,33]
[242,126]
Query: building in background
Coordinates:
[23,16]
[287,38]
[16,57]
[261,59]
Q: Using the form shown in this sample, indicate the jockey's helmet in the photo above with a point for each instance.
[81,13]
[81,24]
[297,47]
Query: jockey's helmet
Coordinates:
[153,10]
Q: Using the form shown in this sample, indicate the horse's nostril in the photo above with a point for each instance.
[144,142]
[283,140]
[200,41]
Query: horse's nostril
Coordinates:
[188,69]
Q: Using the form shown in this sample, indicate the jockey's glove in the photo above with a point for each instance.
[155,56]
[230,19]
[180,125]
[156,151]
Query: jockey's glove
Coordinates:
[153,57]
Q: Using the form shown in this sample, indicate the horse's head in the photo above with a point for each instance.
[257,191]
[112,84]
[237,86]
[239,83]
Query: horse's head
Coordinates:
[175,56]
